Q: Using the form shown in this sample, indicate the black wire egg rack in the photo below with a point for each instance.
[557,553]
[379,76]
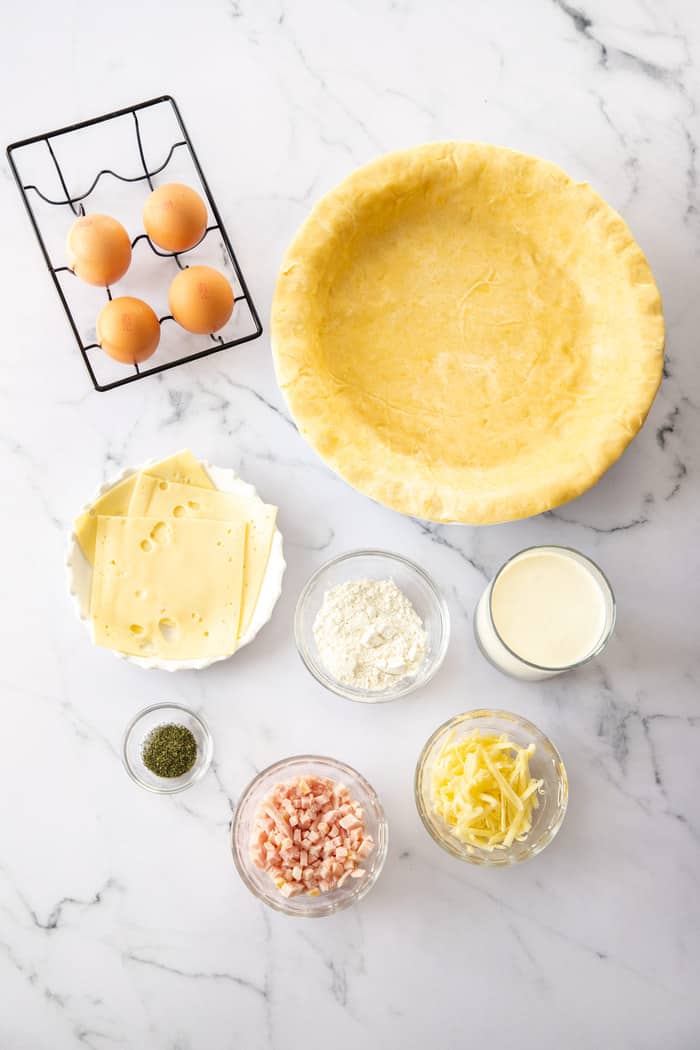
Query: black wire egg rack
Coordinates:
[105,373]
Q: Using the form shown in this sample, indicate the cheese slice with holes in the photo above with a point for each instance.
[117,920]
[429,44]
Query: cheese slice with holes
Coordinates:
[169,589]
[183,467]
[155,498]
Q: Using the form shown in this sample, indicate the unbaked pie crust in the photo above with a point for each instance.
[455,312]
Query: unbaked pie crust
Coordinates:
[466,334]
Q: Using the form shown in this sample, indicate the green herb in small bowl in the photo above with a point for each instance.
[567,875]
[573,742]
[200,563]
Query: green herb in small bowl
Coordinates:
[169,750]
[167,747]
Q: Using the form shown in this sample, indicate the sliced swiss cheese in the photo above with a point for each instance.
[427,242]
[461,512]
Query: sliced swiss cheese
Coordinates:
[155,498]
[170,589]
[182,467]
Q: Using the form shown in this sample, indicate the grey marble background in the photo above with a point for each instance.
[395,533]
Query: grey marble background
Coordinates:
[122,922]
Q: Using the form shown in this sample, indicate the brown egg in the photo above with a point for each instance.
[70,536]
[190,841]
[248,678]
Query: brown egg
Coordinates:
[128,330]
[175,217]
[201,299]
[98,249]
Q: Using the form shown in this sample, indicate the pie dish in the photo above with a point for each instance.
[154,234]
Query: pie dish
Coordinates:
[466,334]
[79,572]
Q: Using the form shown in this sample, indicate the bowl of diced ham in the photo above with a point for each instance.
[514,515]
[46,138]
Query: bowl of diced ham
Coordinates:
[309,836]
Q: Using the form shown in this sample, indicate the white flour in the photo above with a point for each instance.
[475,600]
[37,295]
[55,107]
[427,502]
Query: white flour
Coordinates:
[368,634]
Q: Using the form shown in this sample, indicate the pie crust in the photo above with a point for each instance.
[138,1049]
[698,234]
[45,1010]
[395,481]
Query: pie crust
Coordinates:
[466,334]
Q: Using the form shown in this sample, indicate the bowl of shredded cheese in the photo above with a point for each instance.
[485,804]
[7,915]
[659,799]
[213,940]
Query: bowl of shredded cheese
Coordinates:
[491,788]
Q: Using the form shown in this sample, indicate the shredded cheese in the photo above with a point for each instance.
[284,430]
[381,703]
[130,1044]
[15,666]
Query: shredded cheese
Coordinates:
[482,789]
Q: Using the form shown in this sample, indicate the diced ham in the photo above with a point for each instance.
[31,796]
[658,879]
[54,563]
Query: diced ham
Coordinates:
[309,836]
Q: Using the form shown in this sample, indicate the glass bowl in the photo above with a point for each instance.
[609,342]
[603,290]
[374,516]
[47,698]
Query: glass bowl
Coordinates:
[374,565]
[139,728]
[545,764]
[260,883]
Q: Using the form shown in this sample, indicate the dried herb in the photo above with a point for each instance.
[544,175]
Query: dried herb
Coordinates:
[169,750]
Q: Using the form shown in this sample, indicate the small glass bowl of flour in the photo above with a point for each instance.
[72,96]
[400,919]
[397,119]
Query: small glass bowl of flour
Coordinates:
[371,626]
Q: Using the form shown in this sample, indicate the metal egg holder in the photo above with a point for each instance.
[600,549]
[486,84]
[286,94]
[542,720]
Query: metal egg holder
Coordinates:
[76,206]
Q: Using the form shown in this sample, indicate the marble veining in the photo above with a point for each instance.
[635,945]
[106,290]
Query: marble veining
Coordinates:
[122,921]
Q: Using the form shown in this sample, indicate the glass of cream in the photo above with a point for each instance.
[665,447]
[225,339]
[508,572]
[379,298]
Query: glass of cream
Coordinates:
[547,610]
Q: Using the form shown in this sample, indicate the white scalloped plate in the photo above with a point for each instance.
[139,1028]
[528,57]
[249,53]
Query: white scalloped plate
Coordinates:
[80,573]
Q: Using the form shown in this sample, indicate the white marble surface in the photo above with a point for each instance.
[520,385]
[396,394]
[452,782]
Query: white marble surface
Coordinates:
[122,922]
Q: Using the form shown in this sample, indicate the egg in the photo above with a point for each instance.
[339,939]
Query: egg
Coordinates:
[128,330]
[175,217]
[98,249]
[201,299]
